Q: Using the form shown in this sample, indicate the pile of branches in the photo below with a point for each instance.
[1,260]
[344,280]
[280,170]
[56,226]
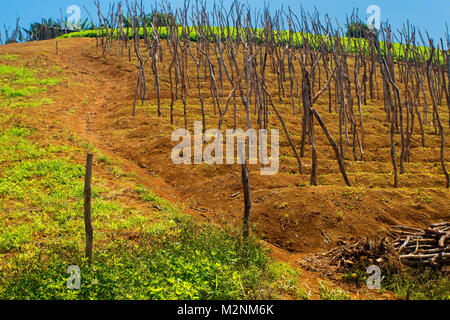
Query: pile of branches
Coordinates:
[408,246]
[357,255]
[429,247]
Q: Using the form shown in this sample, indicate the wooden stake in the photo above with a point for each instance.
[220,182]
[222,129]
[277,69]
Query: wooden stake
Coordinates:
[247,200]
[87,208]
[56,47]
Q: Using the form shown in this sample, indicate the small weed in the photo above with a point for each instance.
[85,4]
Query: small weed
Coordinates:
[9,57]
[283,205]
[327,293]
[104,159]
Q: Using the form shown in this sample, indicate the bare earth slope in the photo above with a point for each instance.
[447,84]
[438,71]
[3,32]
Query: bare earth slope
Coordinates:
[96,101]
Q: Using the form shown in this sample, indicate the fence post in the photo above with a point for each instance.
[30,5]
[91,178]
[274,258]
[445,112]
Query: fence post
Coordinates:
[87,208]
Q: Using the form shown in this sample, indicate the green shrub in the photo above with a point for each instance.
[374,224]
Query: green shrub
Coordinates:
[357,30]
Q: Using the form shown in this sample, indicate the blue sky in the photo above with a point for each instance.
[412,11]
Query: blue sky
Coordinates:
[429,15]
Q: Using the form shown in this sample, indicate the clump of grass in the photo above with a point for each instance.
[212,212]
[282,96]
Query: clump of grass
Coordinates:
[357,277]
[23,92]
[15,72]
[327,293]
[14,103]
[104,159]
[15,147]
[418,284]
[9,57]
[12,76]
[13,237]
[424,283]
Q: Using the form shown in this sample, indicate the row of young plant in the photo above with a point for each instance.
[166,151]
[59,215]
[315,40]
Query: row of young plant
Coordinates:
[283,37]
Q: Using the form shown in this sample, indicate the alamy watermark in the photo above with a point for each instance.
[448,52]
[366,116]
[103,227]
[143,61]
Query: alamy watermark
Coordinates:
[74,280]
[213,153]
[74,20]
[374,277]
[374,20]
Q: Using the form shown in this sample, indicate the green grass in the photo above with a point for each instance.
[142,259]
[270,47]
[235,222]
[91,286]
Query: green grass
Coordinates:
[418,284]
[14,93]
[21,82]
[409,283]
[14,103]
[16,72]
[327,293]
[9,57]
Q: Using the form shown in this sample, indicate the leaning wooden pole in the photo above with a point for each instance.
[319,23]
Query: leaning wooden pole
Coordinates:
[430,77]
[388,79]
[87,208]
[448,77]
[448,67]
[244,167]
[333,145]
